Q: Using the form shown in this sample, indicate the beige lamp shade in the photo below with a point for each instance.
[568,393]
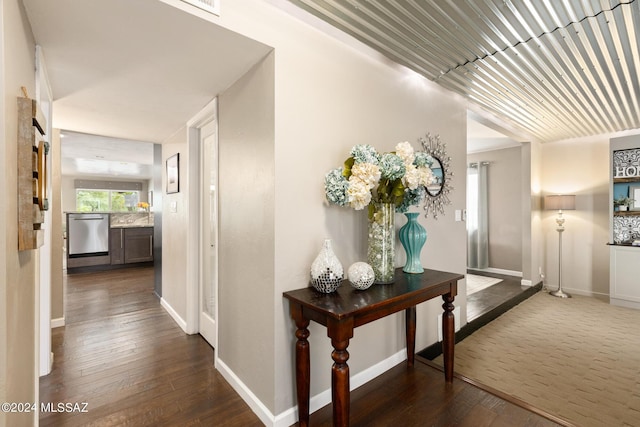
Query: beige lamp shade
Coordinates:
[560,202]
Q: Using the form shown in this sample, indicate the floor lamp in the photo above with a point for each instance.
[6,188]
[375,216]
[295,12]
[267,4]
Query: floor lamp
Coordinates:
[560,203]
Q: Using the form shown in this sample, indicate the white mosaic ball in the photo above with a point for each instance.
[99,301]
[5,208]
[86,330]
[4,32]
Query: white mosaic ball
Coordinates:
[361,275]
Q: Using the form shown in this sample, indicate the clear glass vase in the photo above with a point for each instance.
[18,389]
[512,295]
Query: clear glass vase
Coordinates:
[381,242]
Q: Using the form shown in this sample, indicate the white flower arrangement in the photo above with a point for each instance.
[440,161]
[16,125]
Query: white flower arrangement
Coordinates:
[367,178]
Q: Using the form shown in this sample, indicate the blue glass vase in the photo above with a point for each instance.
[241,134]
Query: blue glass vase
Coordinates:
[413,236]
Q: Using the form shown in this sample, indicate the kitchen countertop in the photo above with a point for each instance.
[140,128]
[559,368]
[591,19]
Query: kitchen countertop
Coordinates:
[131,225]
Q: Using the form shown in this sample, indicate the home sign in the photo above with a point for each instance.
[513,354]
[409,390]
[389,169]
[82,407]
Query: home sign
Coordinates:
[626,163]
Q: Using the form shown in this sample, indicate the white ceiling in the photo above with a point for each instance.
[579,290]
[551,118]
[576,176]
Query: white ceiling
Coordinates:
[137,70]
[555,69]
[134,70]
[94,156]
[482,138]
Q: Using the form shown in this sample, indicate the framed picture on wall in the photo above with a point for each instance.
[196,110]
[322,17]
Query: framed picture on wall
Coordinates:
[634,195]
[173,174]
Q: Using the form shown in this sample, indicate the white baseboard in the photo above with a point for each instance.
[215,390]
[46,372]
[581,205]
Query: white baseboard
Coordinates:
[290,416]
[581,292]
[624,303]
[246,394]
[526,283]
[57,323]
[176,317]
[498,271]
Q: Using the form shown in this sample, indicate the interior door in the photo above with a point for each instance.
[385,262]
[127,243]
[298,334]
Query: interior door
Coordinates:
[208,295]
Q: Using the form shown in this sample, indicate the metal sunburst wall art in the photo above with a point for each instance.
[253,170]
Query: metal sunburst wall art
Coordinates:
[438,192]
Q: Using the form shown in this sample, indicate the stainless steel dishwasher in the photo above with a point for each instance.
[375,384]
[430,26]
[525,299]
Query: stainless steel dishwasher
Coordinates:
[88,234]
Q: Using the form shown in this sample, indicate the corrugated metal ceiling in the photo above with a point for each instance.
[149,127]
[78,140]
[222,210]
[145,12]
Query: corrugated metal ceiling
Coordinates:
[555,68]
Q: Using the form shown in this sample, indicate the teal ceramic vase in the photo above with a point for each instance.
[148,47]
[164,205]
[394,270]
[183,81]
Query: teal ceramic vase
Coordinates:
[413,236]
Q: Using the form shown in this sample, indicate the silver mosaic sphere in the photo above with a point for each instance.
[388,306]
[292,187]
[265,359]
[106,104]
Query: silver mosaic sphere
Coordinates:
[361,275]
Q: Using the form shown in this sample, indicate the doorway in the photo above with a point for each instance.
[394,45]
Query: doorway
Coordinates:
[202,238]
[208,292]
[495,220]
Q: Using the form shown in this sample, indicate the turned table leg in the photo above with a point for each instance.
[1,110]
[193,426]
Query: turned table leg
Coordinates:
[410,326]
[340,332]
[303,365]
[340,383]
[448,336]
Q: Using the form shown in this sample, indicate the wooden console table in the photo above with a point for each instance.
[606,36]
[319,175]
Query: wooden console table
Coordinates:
[348,308]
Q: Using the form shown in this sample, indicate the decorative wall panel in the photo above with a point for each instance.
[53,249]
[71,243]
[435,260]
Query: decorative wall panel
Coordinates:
[626,228]
[32,160]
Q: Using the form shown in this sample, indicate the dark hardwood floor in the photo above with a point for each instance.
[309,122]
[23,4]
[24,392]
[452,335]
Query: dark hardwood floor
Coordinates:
[487,299]
[123,355]
[420,397]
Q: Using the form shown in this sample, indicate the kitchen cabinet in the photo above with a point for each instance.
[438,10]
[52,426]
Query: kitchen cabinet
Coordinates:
[131,245]
[138,244]
[116,245]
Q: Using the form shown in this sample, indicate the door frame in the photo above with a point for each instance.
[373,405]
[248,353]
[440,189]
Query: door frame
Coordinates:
[194,247]
[45,272]
[205,226]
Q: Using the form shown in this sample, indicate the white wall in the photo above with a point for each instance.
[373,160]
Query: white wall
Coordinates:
[68,194]
[329,101]
[580,167]
[174,231]
[19,331]
[4,182]
[246,224]
[532,246]
[57,220]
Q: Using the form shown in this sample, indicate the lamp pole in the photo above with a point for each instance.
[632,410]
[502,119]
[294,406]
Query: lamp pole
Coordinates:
[559,293]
